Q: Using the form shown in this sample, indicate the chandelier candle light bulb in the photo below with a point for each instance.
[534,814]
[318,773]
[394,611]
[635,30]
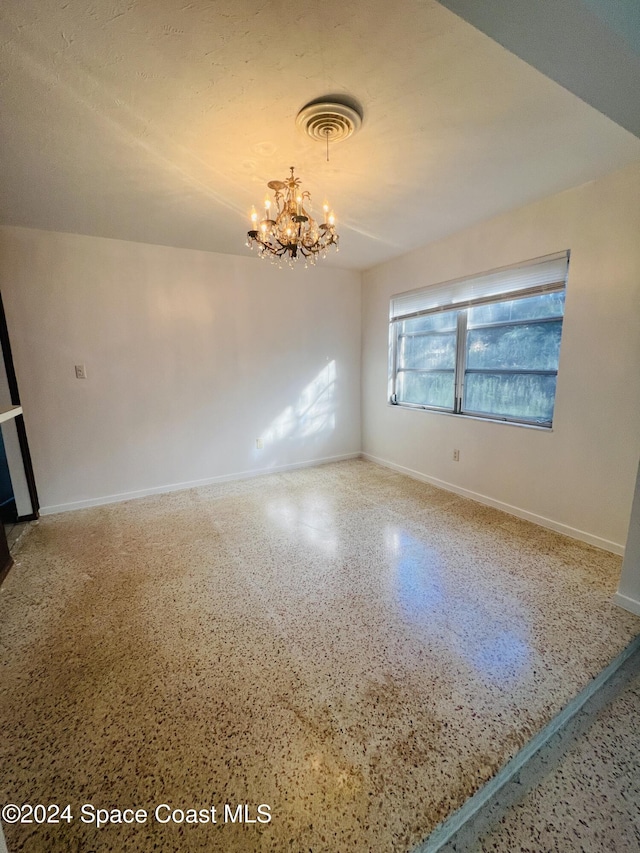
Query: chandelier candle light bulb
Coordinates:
[292,232]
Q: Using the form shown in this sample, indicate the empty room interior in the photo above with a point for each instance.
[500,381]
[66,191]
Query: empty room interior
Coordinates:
[321,414]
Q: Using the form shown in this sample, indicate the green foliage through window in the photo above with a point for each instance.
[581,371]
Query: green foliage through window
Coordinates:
[498,359]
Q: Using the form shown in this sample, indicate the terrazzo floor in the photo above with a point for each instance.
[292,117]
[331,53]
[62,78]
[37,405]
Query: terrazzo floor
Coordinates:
[356,650]
[589,800]
[15,531]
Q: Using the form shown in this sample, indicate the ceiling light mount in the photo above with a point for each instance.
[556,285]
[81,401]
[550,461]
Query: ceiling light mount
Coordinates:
[287,231]
[331,118]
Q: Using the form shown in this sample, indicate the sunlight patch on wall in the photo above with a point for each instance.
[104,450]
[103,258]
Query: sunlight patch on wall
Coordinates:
[312,414]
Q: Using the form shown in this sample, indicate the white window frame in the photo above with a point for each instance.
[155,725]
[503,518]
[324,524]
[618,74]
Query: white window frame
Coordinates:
[547,274]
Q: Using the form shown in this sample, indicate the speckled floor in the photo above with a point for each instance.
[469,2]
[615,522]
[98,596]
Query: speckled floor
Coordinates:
[356,650]
[14,533]
[589,800]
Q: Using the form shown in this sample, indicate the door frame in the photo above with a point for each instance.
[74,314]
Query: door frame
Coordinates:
[12,381]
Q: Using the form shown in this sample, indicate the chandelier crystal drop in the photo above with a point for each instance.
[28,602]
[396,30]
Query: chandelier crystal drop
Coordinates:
[288,232]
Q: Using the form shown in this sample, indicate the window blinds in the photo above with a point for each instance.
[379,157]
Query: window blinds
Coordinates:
[538,276]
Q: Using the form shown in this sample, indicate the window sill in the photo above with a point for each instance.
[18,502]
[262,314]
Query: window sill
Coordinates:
[424,410]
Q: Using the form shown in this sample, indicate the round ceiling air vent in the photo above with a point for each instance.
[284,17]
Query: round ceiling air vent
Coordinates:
[330,120]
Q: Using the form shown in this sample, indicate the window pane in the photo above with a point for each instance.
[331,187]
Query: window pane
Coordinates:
[525,396]
[442,321]
[526,347]
[426,389]
[427,351]
[530,308]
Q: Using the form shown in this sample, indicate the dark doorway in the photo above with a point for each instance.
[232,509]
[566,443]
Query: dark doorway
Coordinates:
[18,494]
[8,509]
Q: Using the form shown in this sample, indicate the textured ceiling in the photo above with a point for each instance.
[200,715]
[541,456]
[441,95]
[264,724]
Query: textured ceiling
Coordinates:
[161,122]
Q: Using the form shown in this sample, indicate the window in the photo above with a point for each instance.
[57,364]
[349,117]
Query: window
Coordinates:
[486,346]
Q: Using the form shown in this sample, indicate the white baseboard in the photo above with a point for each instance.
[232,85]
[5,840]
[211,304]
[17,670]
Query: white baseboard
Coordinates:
[549,523]
[192,484]
[627,603]
[565,529]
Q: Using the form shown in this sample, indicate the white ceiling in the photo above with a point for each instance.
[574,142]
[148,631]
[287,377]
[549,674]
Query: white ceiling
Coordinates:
[162,122]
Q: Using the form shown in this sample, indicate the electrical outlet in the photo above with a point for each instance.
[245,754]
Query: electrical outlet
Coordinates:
[259,443]
[81,371]
[456,455]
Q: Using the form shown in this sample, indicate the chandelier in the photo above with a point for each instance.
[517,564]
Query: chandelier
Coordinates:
[288,231]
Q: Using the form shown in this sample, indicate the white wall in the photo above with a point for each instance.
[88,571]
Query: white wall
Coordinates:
[578,478]
[190,357]
[628,594]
